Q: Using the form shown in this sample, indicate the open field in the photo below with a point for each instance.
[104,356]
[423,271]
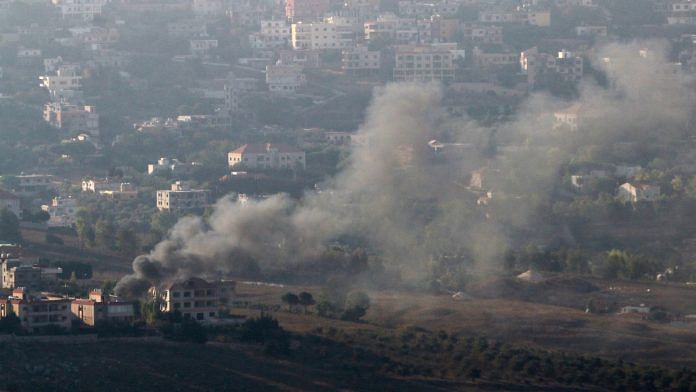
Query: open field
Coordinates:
[535,325]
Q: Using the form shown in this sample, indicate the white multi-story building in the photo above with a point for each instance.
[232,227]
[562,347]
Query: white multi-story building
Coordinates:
[266,156]
[361,60]
[209,8]
[591,31]
[320,35]
[181,198]
[284,79]
[62,211]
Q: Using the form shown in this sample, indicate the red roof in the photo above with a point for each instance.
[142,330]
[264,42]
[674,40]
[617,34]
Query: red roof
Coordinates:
[5,195]
[264,148]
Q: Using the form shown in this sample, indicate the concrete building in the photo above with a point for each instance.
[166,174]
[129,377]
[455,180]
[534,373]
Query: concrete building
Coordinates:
[72,118]
[202,46]
[196,298]
[181,198]
[638,191]
[30,184]
[425,63]
[37,313]
[570,118]
[299,10]
[498,58]
[591,31]
[566,65]
[481,34]
[273,34]
[19,273]
[100,309]
[267,156]
[62,210]
[320,36]
[64,79]
[209,8]
[284,79]
[361,60]
[11,202]
[79,10]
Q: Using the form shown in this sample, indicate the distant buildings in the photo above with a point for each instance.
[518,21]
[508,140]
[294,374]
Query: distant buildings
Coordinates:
[181,198]
[273,34]
[195,298]
[569,118]
[108,189]
[164,165]
[267,156]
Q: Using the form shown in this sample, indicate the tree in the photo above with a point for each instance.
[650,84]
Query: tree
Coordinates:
[10,324]
[474,373]
[358,299]
[104,234]
[127,242]
[306,300]
[9,227]
[85,234]
[291,300]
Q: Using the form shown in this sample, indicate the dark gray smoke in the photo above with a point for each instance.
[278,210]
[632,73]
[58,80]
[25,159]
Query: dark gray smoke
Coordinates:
[410,202]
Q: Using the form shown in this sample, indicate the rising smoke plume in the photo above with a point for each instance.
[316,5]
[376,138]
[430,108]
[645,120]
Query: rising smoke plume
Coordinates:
[407,202]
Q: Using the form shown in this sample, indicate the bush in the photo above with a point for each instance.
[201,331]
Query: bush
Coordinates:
[53,239]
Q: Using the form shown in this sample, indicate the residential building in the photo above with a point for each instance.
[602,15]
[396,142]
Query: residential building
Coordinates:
[361,60]
[273,34]
[62,211]
[181,198]
[66,78]
[481,34]
[100,309]
[497,58]
[202,46]
[80,10]
[30,184]
[570,117]
[566,65]
[425,63]
[186,28]
[284,79]
[306,58]
[320,36]
[638,191]
[37,313]
[196,298]
[19,273]
[209,8]
[299,10]
[11,202]
[386,26]
[172,165]
[591,31]
[157,124]
[72,118]
[267,156]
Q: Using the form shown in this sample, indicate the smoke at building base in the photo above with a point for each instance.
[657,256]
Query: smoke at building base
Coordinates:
[407,192]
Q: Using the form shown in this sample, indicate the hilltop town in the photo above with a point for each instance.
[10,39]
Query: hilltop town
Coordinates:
[446,194]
